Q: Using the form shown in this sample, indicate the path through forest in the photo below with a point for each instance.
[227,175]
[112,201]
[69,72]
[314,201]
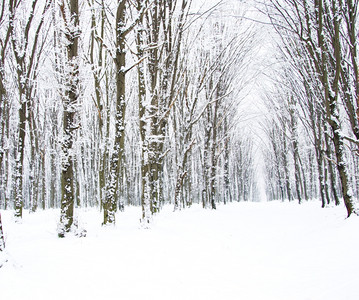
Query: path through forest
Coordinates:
[240,251]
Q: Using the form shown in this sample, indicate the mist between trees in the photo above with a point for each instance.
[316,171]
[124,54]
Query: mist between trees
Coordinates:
[117,103]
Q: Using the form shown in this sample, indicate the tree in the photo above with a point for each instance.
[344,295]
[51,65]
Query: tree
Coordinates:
[2,238]
[5,33]
[117,156]
[70,15]
[110,203]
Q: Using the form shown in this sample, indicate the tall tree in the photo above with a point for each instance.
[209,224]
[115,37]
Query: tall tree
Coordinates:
[2,238]
[5,33]
[69,10]
[110,202]
[117,157]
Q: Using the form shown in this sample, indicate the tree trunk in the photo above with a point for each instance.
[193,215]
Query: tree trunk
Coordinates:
[331,99]
[213,158]
[320,161]
[110,202]
[286,164]
[145,126]
[19,200]
[70,101]
[2,238]
[332,175]
[296,158]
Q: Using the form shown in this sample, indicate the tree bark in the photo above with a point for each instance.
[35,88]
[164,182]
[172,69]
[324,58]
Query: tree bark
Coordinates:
[70,102]
[116,160]
[2,238]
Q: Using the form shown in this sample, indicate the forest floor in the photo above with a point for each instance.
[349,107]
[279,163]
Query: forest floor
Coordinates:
[240,251]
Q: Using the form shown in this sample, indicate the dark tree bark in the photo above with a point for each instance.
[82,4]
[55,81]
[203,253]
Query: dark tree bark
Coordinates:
[2,238]
[331,90]
[70,15]
[117,158]
[296,158]
[4,102]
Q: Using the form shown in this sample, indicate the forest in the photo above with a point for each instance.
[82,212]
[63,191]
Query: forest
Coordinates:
[179,149]
[112,104]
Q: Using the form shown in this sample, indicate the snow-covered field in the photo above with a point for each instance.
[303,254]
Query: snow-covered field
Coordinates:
[240,251]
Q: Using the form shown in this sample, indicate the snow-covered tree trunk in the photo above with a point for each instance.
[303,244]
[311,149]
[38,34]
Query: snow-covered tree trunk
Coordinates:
[70,15]
[205,162]
[116,160]
[332,175]
[349,9]
[160,37]
[22,111]
[2,238]
[226,174]
[19,161]
[154,137]
[5,32]
[213,150]
[295,144]
[284,157]
[34,176]
[331,90]
[320,159]
[279,190]
[146,111]
[185,146]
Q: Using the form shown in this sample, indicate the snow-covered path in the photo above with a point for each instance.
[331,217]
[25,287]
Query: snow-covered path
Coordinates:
[240,251]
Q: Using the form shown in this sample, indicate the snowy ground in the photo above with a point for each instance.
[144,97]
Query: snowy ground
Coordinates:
[241,251]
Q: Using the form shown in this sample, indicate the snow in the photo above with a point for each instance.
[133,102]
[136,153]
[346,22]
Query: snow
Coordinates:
[265,250]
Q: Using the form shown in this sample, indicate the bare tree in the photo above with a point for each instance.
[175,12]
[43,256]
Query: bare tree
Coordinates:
[110,203]
[117,156]
[5,33]
[70,15]
[2,238]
